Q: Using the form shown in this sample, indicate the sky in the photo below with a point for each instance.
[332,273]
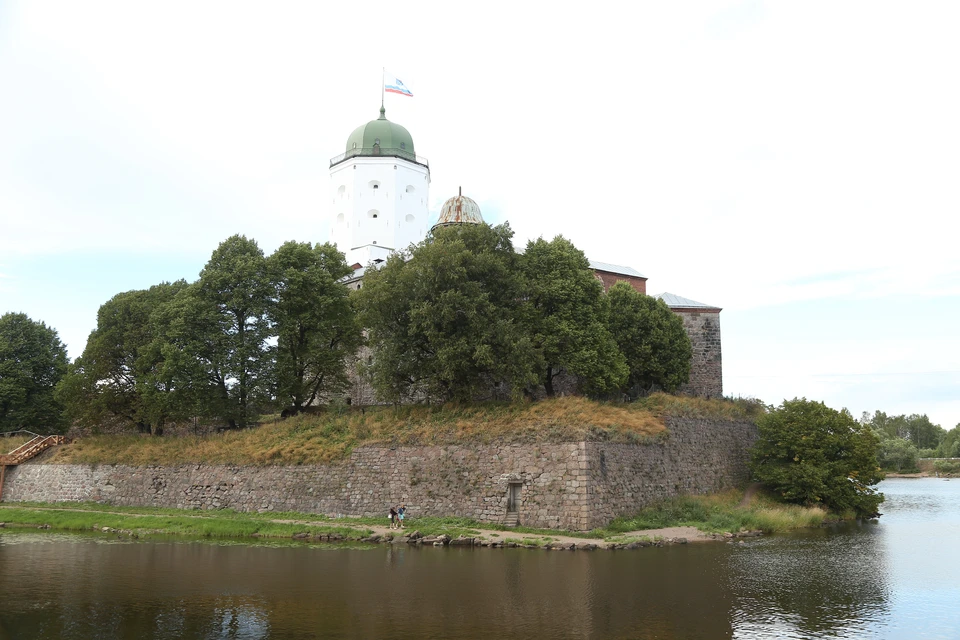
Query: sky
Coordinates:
[793,163]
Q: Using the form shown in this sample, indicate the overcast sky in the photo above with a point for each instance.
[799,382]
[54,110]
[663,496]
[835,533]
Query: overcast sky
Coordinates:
[793,163]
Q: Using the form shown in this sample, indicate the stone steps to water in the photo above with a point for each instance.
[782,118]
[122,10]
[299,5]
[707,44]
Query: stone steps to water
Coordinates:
[512,520]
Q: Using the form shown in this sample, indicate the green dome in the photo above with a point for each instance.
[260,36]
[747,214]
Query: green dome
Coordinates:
[388,136]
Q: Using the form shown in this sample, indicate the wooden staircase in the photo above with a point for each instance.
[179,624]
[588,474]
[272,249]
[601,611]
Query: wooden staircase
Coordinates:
[24,452]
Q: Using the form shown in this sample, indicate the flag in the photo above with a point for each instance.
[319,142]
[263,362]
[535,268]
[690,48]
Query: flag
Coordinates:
[393,84]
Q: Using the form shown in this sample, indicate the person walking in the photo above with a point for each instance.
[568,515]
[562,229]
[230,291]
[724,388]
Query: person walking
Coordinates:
[400,512]
[393,518]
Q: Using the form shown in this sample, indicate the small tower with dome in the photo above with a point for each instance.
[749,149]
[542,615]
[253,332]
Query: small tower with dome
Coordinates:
[458,210]
[380,189]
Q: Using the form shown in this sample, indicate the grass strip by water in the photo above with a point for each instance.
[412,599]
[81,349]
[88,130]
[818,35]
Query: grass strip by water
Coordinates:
[722,513]
[718,513]
[145,524]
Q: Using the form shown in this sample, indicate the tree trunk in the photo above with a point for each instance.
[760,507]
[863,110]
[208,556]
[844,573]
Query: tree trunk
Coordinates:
[548,382]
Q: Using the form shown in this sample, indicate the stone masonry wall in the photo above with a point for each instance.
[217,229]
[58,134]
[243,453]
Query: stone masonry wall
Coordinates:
[576,486]
[700,456]
[706,366]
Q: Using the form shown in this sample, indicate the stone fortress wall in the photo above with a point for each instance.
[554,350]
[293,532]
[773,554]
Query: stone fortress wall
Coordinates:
[575,486]
[706,364]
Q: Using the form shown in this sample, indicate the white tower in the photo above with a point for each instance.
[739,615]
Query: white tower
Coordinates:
[380,191]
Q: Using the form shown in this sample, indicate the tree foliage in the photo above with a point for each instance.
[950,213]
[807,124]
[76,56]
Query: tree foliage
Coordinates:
[568,317]
[916,428]
[811,454]
[213,338]
[651,337]
[109,379]
[898,454]
[32,362]
[447,323]
[950,445]
[314,322]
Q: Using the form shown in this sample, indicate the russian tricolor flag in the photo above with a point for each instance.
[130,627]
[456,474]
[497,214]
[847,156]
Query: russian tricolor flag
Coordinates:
[393,84]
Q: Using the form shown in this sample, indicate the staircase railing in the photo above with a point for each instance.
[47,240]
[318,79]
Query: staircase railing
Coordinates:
[24,452]
[31,448]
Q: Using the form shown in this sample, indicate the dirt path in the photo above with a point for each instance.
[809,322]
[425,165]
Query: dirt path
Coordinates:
[749,493]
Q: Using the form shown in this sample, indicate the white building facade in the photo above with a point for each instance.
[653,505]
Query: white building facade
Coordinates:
[381,193]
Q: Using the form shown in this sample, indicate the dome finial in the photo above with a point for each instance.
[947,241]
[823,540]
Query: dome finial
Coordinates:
[383,113]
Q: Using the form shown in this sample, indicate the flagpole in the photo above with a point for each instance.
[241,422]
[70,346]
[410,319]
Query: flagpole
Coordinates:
[383,71]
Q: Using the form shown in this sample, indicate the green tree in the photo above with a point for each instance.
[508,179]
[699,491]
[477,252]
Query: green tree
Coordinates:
[897,454]
[809,453]
[314,321]
[190,376]
[447,322]
[923,433]
[916,428]
[651,337]
[568,319]
[32,362]
[212,351]
[950,445]
[109,378]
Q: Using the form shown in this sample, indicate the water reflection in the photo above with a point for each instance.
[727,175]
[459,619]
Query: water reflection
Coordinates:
[811,585]
[857,581]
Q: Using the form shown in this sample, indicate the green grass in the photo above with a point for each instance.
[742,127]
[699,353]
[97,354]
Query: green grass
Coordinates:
[714,513]
[146,522]
[721,513]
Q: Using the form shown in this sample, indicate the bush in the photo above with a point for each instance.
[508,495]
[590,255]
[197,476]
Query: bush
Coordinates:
[898,454]
[946,466]
[808,453]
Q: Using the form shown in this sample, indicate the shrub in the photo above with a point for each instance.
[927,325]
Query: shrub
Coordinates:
[898,454]
[811,454]
[946,466]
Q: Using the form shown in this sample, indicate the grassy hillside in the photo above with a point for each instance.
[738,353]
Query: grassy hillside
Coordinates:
[9,443]
[330,436]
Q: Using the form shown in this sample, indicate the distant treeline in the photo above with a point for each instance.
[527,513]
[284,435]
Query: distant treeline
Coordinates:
[904,439]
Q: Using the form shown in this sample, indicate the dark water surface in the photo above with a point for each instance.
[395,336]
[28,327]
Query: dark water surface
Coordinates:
[896,579]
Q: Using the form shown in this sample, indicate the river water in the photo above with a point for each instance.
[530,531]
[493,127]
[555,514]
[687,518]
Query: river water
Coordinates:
[899,578]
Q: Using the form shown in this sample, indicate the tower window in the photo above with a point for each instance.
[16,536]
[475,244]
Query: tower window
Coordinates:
[403,145]
[410,218]
[374,184]
[373,213]
[410,188]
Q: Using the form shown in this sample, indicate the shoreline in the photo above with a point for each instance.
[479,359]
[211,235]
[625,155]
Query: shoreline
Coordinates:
[923,474]
[14,516]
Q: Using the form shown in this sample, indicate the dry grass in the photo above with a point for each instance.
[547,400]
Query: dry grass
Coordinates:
[722,512]
[326,437]
[662,404]
[330,436]
[10,443]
